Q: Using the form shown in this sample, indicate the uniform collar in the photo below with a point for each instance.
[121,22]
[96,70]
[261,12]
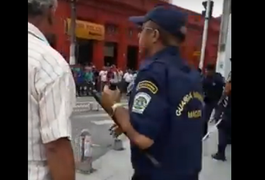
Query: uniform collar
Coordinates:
[170,50]
[36,32]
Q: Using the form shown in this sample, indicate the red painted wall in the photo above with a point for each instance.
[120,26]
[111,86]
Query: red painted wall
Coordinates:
[117,12]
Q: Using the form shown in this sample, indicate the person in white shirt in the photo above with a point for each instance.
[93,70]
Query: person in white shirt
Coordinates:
[134,75]
[128,78]
[51,98]
[103,77]
[120,75]
[114,79]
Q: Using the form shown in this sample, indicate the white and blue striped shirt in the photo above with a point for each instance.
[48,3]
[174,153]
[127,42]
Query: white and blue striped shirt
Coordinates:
[51,98]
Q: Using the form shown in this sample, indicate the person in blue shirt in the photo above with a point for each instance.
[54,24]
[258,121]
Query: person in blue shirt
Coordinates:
[164,118]
[89,81]
[80,81]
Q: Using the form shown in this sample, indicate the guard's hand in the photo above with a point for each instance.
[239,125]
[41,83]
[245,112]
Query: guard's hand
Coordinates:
[228,88]
[115,95]
[106,100]
[109,98]
[115,131]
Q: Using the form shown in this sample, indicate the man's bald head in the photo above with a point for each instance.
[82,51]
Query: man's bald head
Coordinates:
[41,14]
[39,7]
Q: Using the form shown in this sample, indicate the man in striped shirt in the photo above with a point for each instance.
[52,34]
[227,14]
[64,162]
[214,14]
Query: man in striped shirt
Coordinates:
[51,97]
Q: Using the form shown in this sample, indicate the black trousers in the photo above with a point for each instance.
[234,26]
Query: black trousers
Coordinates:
[224,133]
[125,85]
[208,109]
[78,87]
[138,177]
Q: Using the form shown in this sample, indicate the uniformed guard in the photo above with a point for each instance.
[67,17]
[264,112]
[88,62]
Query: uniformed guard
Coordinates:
[213,84]
[164,119]
[224,128]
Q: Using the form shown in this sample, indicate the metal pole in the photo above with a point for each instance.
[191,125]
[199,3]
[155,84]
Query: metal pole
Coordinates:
[72,60]
[224,25]
[205,34]
[223,37]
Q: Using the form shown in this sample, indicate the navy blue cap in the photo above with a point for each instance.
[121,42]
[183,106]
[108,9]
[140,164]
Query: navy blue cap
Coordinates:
[167,17]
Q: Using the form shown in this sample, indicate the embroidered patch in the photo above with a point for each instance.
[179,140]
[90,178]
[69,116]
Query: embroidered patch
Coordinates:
[141,101]
[147,85]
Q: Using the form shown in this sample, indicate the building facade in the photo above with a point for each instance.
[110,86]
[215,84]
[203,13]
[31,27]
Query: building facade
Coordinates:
[107,22]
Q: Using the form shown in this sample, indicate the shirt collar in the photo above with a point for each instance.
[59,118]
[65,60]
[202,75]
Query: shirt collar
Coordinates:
[170,50]
[36,32]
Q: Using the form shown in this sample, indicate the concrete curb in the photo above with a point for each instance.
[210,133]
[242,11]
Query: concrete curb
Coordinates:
[107,169]
[90,106]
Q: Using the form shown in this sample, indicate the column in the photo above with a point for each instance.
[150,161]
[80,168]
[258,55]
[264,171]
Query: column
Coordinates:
[98,50]
[98,54]
[62,39]
[122,46]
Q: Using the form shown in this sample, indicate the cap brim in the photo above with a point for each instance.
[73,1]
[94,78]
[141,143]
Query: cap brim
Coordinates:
[138,20]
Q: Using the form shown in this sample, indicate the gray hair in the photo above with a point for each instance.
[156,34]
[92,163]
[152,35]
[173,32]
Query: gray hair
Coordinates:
[37,7]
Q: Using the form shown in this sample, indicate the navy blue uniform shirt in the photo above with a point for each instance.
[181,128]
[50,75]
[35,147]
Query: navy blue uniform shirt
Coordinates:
[213,88]
[166,106]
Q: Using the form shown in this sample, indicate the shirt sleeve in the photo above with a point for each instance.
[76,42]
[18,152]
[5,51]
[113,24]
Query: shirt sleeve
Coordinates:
[124,76]
[149,107]
[57,99]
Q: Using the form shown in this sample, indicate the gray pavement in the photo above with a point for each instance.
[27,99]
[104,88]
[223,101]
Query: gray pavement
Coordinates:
[115,165]
[84,99]
[98,122]
[90,98]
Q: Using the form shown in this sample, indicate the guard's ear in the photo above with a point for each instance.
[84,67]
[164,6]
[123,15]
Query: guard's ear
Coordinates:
[183,30]
[156,35]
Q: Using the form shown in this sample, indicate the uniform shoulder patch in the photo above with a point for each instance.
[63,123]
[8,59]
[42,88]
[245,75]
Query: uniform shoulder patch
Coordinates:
[147,85]
[140,102]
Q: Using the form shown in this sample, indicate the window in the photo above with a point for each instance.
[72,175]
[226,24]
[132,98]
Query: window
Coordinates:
[130,32]
[111,29]
[194,27]
[197,19]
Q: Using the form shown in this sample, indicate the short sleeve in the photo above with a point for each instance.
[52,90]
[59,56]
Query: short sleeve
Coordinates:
[55,107]
[149,104]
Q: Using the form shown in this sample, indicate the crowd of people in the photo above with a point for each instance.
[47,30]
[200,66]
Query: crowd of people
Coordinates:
[89,77]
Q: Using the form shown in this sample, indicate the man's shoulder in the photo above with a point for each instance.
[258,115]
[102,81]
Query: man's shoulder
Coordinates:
[155,67]
[219,77]
[49,64]
[46,56]
[154,73]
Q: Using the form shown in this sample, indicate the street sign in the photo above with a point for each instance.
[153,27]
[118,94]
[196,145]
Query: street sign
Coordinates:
[196,53]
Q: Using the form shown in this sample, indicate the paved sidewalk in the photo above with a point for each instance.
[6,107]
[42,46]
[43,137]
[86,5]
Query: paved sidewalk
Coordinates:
[115,165]
[90,98]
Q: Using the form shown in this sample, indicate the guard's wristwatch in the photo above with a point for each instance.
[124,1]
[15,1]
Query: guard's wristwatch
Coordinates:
[114,107]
